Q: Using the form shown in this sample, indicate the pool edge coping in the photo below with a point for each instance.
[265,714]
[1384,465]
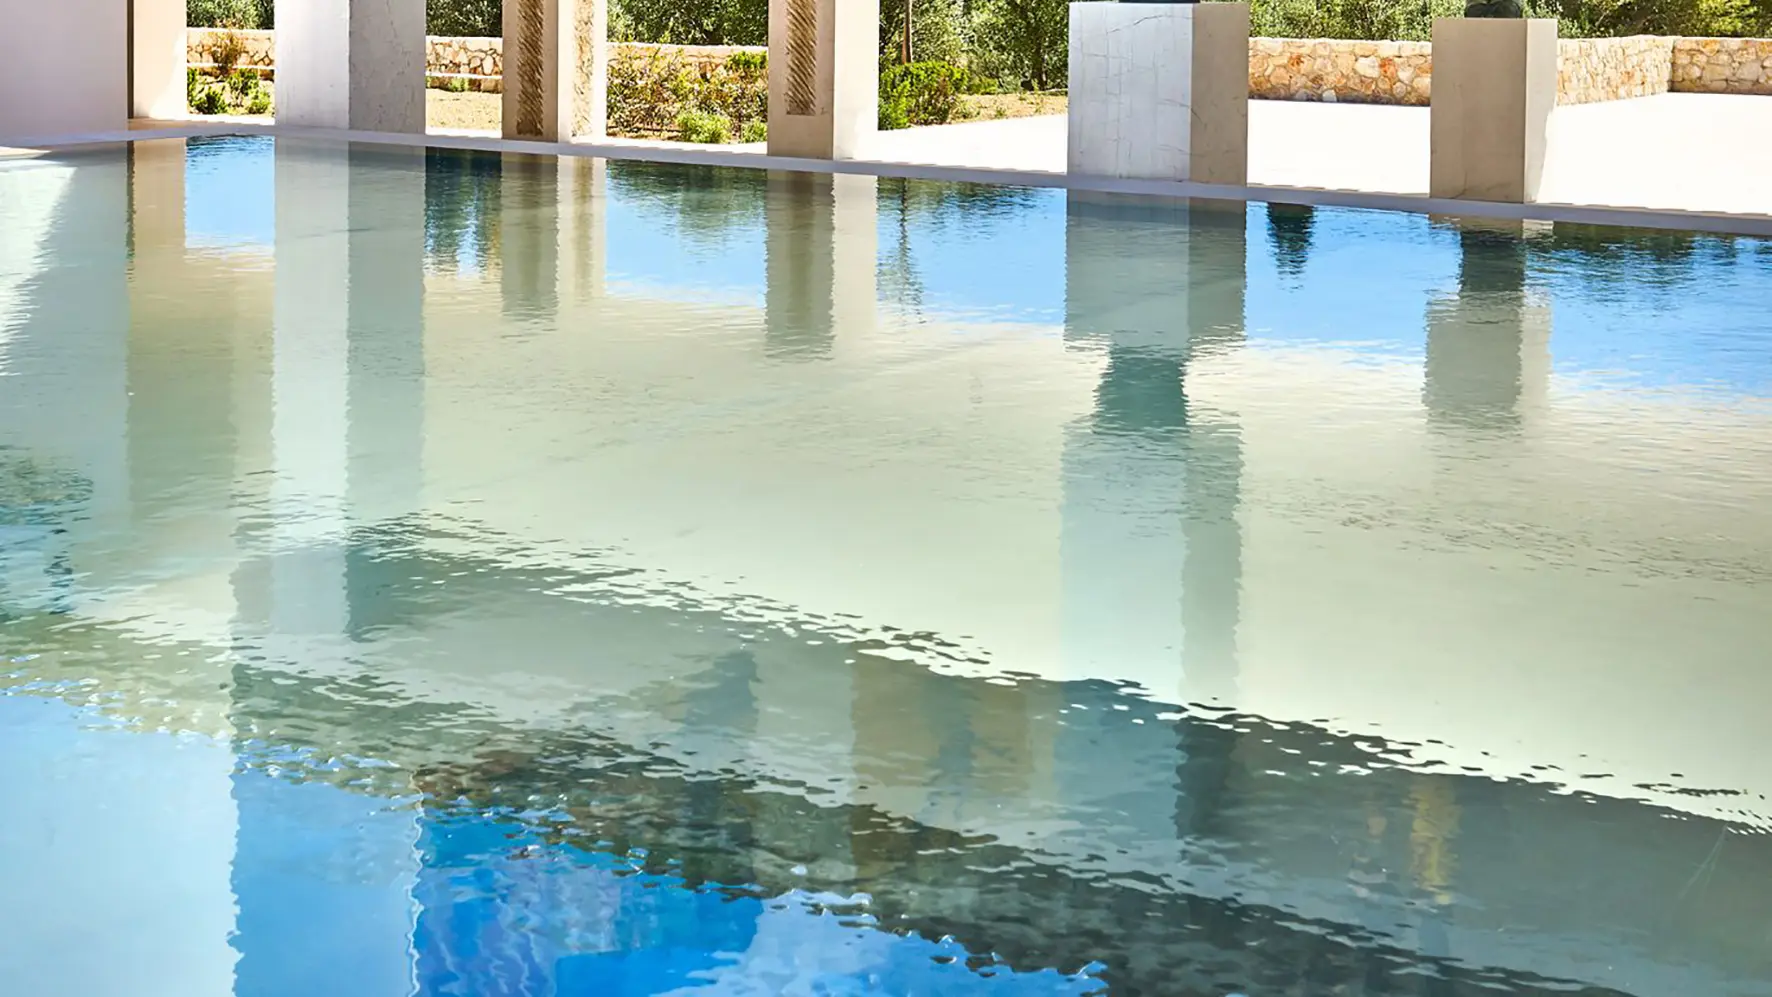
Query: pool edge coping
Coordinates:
[1713,222]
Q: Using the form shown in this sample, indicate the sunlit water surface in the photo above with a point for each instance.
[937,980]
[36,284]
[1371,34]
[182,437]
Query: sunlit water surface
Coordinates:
[422,573]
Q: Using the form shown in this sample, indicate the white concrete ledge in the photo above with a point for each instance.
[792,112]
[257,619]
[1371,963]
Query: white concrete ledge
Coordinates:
[1657,218]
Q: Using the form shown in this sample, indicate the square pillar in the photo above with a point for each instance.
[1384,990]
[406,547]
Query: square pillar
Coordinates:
[555,69]
[824,77]
[356,64]
[1495,85]
[1160,91]
[157,59]
[63,68]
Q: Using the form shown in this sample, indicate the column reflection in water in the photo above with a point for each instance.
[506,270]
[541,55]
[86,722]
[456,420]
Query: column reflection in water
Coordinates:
[1488,345]
[1151,549]
[1151,546]
[120,845]
[821,250]
[317,869]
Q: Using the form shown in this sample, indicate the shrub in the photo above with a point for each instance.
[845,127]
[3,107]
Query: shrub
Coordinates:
[703,126]
[650,90]
[194,84]
[242,83]
[227,51]
[922,93]
[748,63]
[259,102]
[754,131]
[210,100]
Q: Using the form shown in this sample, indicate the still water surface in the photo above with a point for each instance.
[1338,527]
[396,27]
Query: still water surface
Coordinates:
[426,573]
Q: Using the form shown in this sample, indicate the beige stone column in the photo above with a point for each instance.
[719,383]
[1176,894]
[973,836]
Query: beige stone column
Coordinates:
[157,59]
[1495,85]
[555,69]
[357,64]
[824,77]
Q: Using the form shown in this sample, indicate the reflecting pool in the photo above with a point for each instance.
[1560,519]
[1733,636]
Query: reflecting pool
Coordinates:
[438,573]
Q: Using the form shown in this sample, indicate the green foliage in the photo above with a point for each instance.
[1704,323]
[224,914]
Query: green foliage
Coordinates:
[210,100]
[1403,20]
[245,14]
[940,31]
[1024,41]
[448,84]
[754,131]
[690,22]
[649,91]
[464,18]
[703,126]
[922,93]
[748,63]
[241,92]
[242,83]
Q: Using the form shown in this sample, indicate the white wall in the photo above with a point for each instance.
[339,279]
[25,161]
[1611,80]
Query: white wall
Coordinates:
[64,68]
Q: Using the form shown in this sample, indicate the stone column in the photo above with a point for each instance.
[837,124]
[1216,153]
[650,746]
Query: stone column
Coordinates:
[824,77]
[1495,85]
[1160,91]
[555,69]
[357,64]
[157,59]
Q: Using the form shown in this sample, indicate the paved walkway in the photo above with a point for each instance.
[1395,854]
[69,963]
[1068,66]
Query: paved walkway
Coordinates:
[1692,152]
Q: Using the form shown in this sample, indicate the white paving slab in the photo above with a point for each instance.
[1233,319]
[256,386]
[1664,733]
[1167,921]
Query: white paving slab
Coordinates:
[1689,152]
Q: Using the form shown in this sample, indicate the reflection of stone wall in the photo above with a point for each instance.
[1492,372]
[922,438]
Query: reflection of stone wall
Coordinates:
[1336,70]
[1595,69]
[1723,65]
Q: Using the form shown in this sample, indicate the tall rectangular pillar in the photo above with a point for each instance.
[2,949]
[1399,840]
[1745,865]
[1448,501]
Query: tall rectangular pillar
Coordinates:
[157,59]
[550,91]
[63,68]
[356,64]
[824,77]
[1159,91]
[1495,85]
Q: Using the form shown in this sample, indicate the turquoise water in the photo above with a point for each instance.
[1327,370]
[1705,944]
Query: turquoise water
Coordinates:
[432,573]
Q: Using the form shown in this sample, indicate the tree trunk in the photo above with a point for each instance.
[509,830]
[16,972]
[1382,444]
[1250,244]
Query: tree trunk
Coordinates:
[905,49]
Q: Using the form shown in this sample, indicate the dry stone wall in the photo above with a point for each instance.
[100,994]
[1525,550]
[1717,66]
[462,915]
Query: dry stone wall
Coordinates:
[1723,65]
[1588,69]
[1340,71]
[1596,69]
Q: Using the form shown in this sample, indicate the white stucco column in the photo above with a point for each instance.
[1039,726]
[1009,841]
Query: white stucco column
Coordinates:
[555,69]
[63,68]
[824,77]
[157,59]
[1160,91]
[357,64]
